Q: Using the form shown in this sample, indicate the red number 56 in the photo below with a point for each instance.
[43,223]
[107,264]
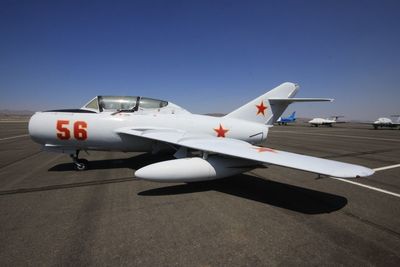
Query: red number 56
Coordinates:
[64,133]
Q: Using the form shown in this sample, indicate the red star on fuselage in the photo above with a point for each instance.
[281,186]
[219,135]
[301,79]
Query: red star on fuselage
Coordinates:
[261,108]
[221,131]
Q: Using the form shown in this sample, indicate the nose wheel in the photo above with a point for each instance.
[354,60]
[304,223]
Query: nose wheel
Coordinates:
[79,164]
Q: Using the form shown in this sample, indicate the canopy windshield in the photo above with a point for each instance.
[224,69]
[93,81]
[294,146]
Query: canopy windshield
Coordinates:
[117,102]
[113,103]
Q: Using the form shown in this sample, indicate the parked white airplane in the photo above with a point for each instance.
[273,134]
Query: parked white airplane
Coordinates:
[206,147]
[386,122]
[326,122]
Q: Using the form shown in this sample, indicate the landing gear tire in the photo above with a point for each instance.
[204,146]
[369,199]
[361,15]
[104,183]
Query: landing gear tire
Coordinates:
[81,164]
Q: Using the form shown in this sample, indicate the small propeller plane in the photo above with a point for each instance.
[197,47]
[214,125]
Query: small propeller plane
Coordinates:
[205,147]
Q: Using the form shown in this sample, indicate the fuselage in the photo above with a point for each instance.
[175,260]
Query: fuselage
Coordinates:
[96,131]
[206,147]
[286,120]
[385,122]
[321,121]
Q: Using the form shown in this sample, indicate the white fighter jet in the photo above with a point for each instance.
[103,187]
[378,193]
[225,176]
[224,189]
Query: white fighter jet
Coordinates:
[206,147]
[323,122]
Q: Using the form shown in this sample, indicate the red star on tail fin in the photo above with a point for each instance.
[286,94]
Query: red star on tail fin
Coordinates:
[261,108]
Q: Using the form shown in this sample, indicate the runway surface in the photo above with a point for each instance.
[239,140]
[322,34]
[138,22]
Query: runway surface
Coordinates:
[53,215]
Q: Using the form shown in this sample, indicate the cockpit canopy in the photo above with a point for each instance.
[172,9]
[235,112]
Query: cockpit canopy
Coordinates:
[115,103]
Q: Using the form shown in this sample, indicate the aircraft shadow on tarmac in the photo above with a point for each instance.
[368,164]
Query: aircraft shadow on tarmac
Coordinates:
[135,162]
[269,192]
[250,187]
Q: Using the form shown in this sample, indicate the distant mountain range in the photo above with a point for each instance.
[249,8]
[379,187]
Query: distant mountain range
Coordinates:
[16,112]
[12,114]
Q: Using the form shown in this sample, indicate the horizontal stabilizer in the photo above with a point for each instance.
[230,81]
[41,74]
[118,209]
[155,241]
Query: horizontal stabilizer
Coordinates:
[268,107]
[292,100]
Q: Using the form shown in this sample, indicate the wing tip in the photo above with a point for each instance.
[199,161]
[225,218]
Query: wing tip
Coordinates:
[363,172]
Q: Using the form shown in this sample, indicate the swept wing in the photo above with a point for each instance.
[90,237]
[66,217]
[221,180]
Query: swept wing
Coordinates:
[244,150]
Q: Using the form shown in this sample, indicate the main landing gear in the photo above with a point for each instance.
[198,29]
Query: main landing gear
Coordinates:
[79,164]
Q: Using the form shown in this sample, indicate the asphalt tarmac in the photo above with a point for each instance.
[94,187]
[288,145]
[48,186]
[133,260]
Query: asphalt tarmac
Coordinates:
[53,215]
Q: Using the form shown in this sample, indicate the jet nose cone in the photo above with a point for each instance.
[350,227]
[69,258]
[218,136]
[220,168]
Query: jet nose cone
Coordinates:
[31,124]
[35,128]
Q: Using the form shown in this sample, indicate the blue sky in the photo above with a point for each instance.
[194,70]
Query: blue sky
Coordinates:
[207,56]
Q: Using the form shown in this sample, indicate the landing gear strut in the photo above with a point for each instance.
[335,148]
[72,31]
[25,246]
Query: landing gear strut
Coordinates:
[79,164]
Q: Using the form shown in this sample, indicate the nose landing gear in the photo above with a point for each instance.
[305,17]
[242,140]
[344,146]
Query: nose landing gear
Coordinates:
[79,164]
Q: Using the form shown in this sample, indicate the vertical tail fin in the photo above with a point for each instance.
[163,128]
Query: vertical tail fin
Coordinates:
[262,110]
[336,117]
